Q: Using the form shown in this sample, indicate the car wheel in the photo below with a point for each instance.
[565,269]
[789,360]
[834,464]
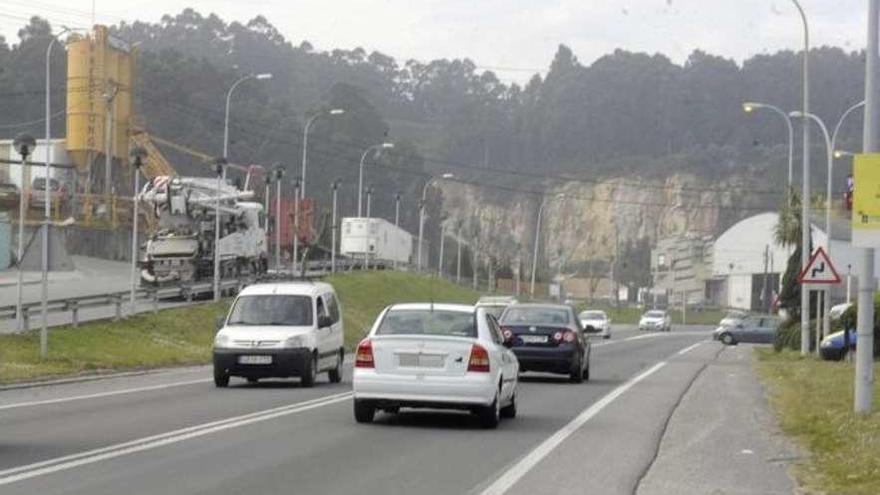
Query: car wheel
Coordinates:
[335,374]
[490,415]
[392,410]
[606,336]
[727,339]
[577,374]
[253,380]
[308,376]
[364,411]
[509,411]
[221,379]
[587,371]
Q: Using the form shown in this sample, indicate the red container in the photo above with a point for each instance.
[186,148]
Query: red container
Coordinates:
[306,222]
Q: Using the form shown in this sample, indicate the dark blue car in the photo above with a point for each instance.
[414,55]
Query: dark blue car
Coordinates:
[832,346]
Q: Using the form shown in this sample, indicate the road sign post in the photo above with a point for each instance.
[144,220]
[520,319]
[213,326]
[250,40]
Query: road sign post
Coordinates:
[818,275]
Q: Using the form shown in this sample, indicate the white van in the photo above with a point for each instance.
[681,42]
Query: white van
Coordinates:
[281,330]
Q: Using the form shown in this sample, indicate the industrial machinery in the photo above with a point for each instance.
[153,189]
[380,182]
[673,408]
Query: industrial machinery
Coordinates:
[182,248]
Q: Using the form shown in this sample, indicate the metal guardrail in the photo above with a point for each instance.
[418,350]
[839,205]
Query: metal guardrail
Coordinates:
[73,305]
[187,292]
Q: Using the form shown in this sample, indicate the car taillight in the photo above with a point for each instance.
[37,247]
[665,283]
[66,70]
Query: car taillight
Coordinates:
[479,360]
[364,356]
[507,333]
[557,336]
[569,336]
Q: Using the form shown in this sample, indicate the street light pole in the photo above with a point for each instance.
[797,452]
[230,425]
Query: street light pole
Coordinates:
[829,152]
[864,374]
[750,106]
[279,173]
[805,193]
[333,228]
[296,184]
[380,147]
[458,256]
[397,210]
[422,214]
[137,156]
[442,239]
[537,239]
[220,169]
[24,144]
[228,100]
[369,199]
[305,155]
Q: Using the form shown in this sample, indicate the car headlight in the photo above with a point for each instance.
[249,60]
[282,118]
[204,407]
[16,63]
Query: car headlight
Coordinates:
[825,343]
[295,341]
[221,340]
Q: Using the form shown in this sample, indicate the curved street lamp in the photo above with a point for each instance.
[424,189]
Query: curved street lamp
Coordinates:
[305,157]
[248,77]
[376,147]
[428,183]
[537,234]
[750,106]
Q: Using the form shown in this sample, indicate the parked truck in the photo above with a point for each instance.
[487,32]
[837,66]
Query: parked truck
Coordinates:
[182,248]
[376,240]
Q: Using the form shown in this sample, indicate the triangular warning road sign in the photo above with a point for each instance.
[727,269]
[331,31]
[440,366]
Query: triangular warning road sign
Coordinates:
[819,270]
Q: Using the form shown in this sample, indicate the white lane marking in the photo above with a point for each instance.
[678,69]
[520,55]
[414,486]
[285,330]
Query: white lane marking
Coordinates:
[518,470]
[103,394]
[50,466]
[635,337]
[515,473]
[688,349]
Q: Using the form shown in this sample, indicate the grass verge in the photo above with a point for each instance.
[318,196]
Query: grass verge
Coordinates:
[183,336]
[813,401]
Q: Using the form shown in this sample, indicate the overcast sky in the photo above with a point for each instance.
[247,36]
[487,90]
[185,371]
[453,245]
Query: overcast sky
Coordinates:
[513,37]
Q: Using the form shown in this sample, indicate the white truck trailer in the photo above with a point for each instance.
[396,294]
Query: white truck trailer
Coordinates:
[376,240]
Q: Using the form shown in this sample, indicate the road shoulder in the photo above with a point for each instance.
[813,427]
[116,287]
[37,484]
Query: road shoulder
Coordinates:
[722,438]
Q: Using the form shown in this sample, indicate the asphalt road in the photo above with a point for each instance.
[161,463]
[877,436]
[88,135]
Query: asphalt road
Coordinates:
[173,432]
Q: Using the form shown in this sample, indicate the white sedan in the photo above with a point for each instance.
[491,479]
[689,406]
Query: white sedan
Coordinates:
[437,356]
[596,322]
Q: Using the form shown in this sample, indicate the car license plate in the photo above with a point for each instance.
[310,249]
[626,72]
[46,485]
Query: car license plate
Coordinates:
[420,361]
[534,339]
[254,359]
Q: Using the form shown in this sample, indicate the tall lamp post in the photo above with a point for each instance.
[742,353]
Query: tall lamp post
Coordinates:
[24,144]
[751,106]
[138,154]
[805,193]
[537,239]
[220,170]
[376,147]
[305,157]
[296,185]
[279,173]
[397,210]
[422,213]
[248,77]
[334,227]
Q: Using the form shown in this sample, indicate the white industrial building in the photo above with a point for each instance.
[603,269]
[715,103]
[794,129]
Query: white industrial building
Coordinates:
[739,255]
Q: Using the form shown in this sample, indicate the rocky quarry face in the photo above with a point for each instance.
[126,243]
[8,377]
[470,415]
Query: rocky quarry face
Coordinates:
[581,220]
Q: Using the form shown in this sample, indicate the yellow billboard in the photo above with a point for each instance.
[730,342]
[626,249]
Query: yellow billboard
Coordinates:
[866,201]
[99,73]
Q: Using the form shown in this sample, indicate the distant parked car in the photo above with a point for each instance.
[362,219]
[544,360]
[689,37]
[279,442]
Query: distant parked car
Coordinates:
[9,196]
[595,320]
[656,319]
[495,305]
[832,347]
[547,338]
[755,329]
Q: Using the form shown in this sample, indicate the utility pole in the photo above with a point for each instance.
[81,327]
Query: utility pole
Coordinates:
[295,226]
[24,144]
[764,295]
[279,173]
[458,257]
[220,169]
[333,228]
[137,156]
[864,379]
[440,259]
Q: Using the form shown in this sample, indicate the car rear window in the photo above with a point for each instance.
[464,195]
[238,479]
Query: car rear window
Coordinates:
[655,314]
[427,322]
[271,309]
[535,316]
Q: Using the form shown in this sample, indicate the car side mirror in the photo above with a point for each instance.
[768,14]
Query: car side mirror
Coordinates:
[219,321]
[324,321]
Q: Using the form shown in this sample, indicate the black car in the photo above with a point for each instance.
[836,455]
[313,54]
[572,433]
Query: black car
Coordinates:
[547,338]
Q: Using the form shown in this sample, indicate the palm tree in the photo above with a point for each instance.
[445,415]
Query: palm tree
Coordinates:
[788,229]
